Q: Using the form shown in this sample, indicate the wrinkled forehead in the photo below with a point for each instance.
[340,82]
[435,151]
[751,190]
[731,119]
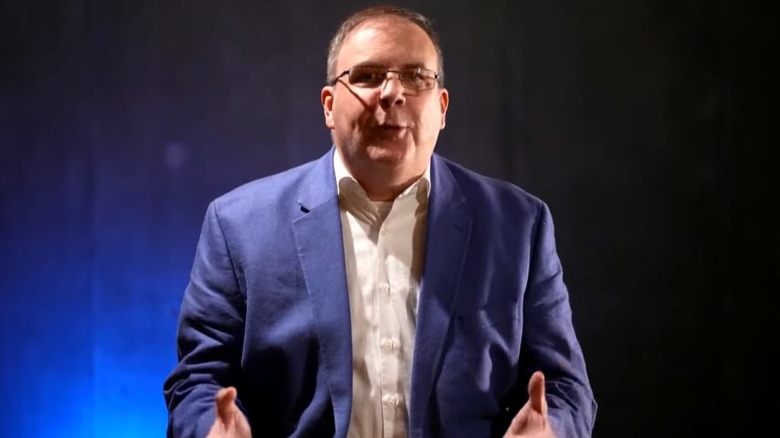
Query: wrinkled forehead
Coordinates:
[389,42]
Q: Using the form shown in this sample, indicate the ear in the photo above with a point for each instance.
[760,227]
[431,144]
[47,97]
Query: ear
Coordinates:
[444,102]
[326,96]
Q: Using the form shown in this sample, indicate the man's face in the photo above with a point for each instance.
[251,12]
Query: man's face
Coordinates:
[387,129]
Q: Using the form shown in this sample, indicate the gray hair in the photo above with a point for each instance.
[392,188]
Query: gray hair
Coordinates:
[378,12]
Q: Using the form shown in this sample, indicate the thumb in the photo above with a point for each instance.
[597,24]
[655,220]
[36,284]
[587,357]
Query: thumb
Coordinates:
[226,405]
[536,396]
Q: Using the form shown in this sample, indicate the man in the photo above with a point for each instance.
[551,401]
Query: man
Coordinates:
[380,291]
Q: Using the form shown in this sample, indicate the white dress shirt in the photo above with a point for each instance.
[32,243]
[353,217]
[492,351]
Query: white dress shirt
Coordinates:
[384,245]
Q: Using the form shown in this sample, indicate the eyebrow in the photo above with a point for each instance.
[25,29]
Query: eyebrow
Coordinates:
[414,65]
[380,65]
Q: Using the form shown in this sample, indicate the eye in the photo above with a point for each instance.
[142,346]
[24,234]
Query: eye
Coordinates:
[411,75]
[366,76]
[415,79]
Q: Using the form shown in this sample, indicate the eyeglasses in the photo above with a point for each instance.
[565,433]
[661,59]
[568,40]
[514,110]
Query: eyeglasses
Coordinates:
[413,78]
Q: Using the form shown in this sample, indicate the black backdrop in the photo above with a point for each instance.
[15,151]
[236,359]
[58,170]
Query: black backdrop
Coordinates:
[643,124]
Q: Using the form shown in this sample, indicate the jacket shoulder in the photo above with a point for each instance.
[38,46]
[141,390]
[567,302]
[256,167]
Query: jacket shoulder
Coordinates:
[263,195]
[488,193]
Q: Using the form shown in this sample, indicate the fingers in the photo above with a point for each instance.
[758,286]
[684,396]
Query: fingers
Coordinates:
[519,423]
[226,404]
[536,395]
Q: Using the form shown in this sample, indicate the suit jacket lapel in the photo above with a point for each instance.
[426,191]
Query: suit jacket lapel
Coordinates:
[320,250]
[448,231]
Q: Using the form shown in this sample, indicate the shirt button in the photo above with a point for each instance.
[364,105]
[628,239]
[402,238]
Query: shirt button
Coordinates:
[390,400]
[384,287]
[389,344]
[384,231]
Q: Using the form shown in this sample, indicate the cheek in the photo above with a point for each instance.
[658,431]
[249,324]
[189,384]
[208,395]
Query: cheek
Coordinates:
[350,114]
[431,118]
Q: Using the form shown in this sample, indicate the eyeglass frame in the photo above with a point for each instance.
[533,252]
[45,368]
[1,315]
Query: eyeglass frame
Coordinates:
[386,71]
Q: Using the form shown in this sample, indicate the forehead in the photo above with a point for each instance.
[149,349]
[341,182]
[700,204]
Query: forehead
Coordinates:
[389,42]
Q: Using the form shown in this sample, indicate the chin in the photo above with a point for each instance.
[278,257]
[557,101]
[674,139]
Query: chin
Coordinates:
[390,154]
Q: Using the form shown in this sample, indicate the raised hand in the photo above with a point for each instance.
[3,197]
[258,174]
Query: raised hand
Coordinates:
[230,422]
[531,421]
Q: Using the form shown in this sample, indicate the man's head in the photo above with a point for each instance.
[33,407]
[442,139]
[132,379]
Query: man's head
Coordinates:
[379,12]
[384,102]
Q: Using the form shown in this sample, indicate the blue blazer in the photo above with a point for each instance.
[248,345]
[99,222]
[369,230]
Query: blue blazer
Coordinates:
[267,311]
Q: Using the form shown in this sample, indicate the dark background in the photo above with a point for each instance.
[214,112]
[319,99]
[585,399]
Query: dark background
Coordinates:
[645,125]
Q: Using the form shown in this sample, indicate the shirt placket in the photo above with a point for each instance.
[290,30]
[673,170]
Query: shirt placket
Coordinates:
[388,333]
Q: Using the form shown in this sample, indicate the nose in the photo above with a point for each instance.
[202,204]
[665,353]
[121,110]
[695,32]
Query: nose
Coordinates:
[392,92]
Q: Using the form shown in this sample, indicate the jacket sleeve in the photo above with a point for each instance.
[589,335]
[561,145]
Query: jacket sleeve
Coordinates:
[549,343]
[209,336]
